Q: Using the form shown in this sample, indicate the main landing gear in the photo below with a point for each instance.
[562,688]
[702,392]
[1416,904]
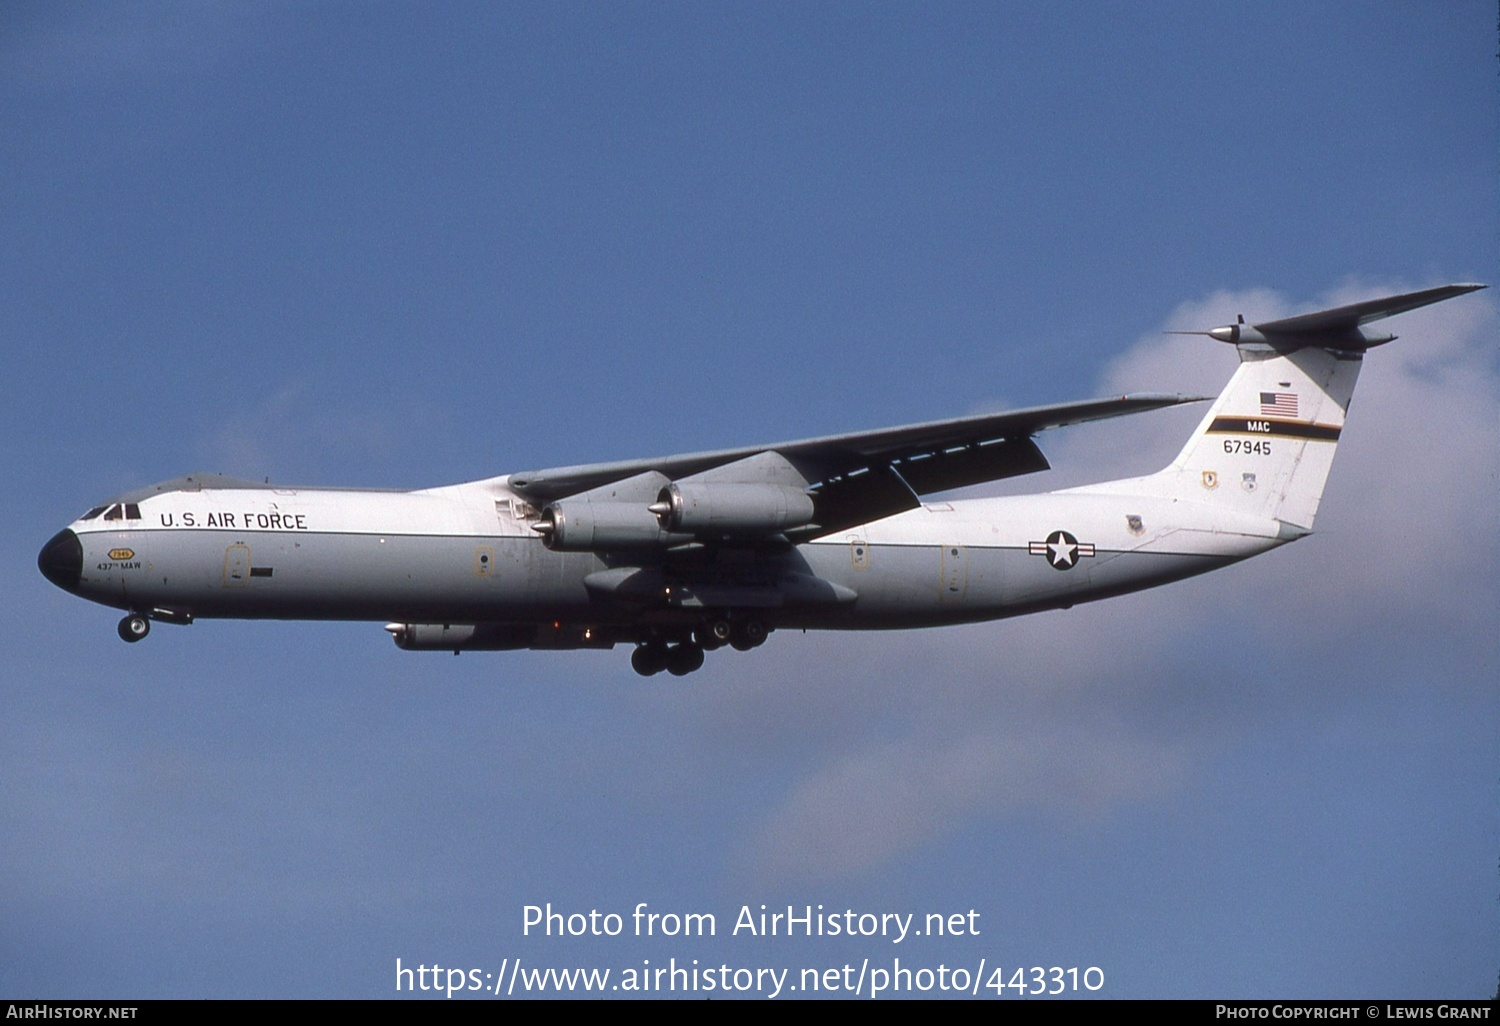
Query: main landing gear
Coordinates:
[134,627]
[683,657]
[655,656]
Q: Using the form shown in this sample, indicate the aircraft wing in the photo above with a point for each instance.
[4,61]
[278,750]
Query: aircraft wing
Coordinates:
[862,476]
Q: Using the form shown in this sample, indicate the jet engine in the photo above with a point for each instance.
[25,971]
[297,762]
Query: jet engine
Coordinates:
[579,525]
[722,508]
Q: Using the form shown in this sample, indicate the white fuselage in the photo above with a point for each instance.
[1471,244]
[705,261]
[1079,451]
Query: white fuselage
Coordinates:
[467,553]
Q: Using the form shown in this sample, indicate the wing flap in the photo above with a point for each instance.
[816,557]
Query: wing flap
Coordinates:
[972,464]
[858,498]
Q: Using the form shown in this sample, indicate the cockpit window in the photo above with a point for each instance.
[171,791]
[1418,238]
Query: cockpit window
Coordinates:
[91,514]
[118,511]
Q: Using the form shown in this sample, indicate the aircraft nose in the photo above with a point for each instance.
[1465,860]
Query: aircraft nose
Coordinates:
[61,560]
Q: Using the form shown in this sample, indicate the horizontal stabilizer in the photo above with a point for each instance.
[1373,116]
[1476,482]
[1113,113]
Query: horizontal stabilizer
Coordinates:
[1343,319]
[1337,328]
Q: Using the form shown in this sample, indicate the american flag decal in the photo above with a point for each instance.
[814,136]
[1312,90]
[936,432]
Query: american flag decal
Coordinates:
[1278,404]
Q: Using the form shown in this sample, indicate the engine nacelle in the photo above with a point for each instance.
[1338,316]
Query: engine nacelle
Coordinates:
[579,525]
[716,508]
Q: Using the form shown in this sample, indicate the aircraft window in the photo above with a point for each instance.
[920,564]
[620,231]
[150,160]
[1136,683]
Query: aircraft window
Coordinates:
[132,511]
[115,512]
[91,514]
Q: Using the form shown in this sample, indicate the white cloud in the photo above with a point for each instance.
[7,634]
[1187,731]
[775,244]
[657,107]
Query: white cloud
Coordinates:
[884,800]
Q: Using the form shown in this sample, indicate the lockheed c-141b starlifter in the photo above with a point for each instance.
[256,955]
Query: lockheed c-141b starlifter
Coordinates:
[681,555]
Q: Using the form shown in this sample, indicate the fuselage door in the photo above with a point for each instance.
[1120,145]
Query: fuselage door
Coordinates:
[236,566]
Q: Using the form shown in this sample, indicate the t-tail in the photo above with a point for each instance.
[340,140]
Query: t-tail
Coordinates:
[1266,446]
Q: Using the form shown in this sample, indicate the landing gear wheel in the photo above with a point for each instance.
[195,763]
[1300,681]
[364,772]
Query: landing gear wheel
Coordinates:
[713,634]
[684,659]
[748,634]
[649,659]
[134,627]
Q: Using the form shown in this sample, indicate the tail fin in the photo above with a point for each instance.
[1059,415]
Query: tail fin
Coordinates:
[1266,446]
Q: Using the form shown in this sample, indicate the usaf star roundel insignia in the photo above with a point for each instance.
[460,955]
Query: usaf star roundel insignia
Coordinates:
[1062,550]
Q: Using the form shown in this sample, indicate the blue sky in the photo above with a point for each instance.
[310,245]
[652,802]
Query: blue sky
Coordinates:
[400,245]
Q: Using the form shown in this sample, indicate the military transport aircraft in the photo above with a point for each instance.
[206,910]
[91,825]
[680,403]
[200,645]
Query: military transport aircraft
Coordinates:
[684,554]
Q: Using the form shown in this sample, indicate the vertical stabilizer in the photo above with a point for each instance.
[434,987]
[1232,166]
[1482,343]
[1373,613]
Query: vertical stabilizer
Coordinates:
[1266,446]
